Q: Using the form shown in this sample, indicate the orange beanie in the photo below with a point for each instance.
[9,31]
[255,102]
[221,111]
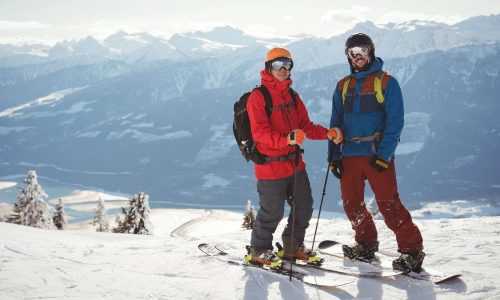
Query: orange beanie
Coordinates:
[277,52]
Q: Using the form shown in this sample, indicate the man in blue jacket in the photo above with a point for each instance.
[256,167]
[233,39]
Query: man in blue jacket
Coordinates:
[368,107]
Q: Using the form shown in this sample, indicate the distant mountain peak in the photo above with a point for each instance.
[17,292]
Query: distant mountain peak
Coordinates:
[221,35]
[412,25]
[121,33]
[366,27]
[369,26]
[223,29]
[227,29]
[88,40]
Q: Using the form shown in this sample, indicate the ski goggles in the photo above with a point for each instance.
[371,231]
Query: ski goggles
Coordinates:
[283,62]
[353,52]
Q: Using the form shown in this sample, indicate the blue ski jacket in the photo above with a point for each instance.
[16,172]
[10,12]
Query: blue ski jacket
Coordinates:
[359,117]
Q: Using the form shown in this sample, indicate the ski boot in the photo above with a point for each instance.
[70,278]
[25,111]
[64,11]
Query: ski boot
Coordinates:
[360,252]
[409,262]
[262,258]
[302,253]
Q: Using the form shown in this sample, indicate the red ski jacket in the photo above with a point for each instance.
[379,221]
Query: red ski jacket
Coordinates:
[270,134]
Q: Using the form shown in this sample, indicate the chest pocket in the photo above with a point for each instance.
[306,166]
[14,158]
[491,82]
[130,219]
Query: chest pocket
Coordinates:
[287,116]
[285,106]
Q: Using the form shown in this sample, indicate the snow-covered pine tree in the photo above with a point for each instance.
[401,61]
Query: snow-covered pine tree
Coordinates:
[118,219]
[59,218]
[249,217]
[136,218]
[30,208]
[15,216]
[100,218]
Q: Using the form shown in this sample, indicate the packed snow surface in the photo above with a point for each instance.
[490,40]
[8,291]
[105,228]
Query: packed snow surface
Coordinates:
[83,264]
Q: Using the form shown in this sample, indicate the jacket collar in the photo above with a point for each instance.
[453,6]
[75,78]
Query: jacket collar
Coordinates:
[268,80]
[375,67]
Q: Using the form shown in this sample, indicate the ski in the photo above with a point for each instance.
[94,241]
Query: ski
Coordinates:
[382,262]
[338,267]
[301,275]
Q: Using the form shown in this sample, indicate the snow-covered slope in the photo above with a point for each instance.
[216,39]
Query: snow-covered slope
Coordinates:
[80,264]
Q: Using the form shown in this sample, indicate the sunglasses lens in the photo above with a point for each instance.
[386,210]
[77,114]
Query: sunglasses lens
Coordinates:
[282,63]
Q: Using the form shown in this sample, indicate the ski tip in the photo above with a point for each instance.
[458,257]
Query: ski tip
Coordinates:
[447,278]
[327,244]
[221,252]
[202,245]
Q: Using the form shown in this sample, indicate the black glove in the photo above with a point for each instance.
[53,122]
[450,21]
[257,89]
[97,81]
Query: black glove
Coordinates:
[337,168]
[379,164]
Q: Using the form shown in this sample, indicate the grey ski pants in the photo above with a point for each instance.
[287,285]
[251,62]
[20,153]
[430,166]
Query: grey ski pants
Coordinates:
[272,196]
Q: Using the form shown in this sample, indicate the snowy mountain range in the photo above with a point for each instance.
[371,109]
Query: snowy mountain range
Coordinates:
[393,40]
[140,113]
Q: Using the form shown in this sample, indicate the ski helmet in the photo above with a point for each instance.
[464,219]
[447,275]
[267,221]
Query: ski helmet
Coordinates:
[276,53]
[359,40]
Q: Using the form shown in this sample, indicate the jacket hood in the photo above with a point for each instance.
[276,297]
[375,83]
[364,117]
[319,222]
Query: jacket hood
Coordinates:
[268,80]
[376,66]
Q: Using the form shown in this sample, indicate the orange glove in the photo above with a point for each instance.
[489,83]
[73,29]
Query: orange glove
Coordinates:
[335,135]
[296,137]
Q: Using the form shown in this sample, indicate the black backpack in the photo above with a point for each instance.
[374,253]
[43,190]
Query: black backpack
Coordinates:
[241,124]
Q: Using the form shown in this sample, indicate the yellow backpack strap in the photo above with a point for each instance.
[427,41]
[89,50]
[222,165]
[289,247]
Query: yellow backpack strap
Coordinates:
[377,87]
[345,88]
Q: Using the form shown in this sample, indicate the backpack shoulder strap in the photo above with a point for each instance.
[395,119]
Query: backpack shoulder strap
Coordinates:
[380,81]
[267,99]
[295,96]
[344,83]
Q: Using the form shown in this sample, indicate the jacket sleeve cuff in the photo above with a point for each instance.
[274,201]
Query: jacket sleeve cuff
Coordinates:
[384,156]
[333,152]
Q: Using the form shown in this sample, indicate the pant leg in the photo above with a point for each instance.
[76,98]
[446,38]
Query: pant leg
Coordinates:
[272,196]
[300,195]
[352,186]
[396,216]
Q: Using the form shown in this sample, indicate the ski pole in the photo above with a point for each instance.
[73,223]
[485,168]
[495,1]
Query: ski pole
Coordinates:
[321,204]
[292,240]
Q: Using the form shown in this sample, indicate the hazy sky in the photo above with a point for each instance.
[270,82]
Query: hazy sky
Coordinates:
[52,20]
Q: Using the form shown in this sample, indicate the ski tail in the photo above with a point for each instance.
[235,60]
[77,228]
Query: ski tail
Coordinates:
[211,250]
[327,244]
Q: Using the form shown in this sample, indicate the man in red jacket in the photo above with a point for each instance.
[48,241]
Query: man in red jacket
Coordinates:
[284,176]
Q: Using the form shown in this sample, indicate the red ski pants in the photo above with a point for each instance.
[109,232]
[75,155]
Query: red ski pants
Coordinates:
[384,186]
